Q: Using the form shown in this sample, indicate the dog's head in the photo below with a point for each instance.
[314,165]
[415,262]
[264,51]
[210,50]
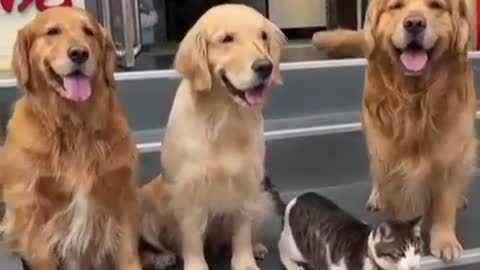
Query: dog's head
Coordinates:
[417,33]
[64,51]
[235,47]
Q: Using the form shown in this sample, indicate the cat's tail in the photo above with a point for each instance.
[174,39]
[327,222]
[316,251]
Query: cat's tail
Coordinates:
[279,203]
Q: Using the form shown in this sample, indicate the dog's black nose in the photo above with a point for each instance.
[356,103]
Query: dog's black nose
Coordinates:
[78,54]
[415,24]
[263,68]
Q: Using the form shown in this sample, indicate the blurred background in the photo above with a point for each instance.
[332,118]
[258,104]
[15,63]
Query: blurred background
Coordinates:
[147,32]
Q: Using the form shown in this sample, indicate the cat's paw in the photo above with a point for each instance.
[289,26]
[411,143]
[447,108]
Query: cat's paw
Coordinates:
[373,203]
[158,261]
[260,251]
[444,245]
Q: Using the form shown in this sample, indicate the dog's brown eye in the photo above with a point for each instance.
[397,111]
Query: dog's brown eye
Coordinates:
[88,31]
[227,39]
[264,36]
[435,5]
[397,5]
[53,31]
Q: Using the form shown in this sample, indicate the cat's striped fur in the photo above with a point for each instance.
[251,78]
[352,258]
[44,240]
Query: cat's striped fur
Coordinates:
[319,235]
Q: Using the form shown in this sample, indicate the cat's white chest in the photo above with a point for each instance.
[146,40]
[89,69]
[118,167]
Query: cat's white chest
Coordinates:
[287,246]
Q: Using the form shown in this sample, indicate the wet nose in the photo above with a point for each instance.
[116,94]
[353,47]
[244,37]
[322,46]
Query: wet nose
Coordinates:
[415,24]
[263,68]
[78,54]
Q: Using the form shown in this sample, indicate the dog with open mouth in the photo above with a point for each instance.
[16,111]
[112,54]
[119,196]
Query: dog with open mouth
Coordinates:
[418,110]
[213,149]
[68,167]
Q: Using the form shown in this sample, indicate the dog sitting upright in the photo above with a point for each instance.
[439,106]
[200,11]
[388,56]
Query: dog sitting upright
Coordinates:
[69,164]
[213,151]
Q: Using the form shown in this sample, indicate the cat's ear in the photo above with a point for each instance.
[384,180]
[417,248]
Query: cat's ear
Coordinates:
[416,225]
[385,232]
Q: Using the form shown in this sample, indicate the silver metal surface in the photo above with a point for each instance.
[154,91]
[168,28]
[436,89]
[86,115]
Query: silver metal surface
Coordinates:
[359,15]
[470,256]
[130,27]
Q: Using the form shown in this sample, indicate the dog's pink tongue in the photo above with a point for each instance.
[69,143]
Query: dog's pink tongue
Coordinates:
[77,88]
[255,97]
[414,60]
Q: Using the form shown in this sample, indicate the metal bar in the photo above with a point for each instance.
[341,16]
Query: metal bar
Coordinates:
[359,14]
[128,33]
[470,256]
[151,147]
[284,134]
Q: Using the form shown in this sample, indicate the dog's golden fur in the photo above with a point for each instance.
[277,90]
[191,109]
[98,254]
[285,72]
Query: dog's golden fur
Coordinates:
[419,129]
[213,150]
[68,168]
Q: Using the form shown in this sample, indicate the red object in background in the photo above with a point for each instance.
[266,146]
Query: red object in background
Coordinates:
[41,5]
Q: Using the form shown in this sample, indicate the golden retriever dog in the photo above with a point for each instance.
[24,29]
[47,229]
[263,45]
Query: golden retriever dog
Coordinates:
[213,150]
[418,110]
[68,168]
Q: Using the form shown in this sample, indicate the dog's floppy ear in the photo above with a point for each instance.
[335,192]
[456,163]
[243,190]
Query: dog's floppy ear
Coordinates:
[20,61]
[191,60]
[109,57]
[276,43]
[462,29]
[373,15]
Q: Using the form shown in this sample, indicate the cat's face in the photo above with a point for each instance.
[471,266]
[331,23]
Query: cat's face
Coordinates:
[397,245]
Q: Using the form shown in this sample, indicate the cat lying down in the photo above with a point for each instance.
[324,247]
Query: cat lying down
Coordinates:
[317,234]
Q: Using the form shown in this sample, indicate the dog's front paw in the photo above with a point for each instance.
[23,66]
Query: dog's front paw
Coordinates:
[373,203]
[260,251]
[244,263]
[444,245]
[158,261]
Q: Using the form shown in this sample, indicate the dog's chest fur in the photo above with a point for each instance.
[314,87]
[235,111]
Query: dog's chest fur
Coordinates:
[83,234]
[221,150]
[81,230]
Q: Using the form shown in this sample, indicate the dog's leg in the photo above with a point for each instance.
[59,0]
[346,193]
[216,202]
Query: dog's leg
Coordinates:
[38,256]
[444,243]
[192,231]
[373,202]
[128,257]
[242,244]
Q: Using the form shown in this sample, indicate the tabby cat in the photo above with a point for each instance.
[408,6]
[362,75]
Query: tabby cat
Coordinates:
[317,234]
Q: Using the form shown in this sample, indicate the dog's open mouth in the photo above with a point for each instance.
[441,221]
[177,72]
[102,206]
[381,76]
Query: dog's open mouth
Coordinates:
[414,57]
[74,86]
[252,96]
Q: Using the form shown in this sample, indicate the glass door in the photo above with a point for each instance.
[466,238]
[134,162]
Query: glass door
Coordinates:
[122,20]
